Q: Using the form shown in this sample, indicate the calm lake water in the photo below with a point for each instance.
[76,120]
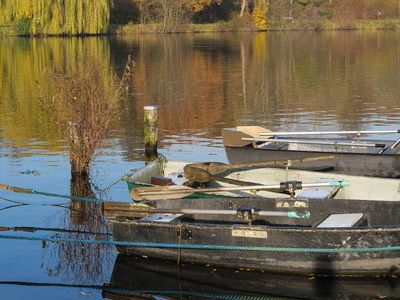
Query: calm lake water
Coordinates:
[201,83]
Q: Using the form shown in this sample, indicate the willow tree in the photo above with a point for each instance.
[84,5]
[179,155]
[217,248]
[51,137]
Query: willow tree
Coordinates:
[59,16]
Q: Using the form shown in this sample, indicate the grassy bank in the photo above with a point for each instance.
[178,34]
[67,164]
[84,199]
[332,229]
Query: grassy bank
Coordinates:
[246,25]
[6,31]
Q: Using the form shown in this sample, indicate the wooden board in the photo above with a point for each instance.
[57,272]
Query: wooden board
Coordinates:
[323,192]
[341,220]
[253,131]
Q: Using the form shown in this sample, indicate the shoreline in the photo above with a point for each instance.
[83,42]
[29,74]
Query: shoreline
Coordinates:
[237,25]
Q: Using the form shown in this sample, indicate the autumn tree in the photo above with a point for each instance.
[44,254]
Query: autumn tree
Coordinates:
[199,5]
[58,16]
[260,14]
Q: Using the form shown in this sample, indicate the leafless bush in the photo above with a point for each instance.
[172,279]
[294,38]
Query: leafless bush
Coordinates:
[173,14]
[347,12]
[84,99]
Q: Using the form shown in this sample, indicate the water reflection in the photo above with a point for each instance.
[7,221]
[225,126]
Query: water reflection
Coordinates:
[168,279]
[203,82]
[80,262]
[339,80]
[328,80]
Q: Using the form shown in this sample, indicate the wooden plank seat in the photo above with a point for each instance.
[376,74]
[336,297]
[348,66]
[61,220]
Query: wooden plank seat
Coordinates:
[341,220]
[160,217]
[325,192]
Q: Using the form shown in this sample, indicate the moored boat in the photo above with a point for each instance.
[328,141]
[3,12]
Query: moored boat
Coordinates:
[307,236]
[170,172]
[379,158]
[332,230]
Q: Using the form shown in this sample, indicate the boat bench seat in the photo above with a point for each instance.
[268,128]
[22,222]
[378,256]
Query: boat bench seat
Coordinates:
[322,192]
[159,217]
[341,220]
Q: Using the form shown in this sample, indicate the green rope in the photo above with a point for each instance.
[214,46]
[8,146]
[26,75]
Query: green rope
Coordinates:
[31,191]
[207,247]
[65,196]
[132,291]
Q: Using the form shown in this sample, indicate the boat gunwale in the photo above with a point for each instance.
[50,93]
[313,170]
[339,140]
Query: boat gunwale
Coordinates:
[376,228]
[332,152]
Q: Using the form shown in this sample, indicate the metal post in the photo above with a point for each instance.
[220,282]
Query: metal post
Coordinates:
[150,132]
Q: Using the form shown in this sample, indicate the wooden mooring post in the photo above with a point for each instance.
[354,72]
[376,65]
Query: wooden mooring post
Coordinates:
[150,132]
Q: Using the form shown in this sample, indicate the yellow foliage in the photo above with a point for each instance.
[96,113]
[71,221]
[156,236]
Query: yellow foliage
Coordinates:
[59,16]
[198,5]
[260,14]
[23,62]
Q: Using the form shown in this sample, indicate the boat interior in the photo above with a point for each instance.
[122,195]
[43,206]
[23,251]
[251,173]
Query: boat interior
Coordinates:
[326,145]
[359,188]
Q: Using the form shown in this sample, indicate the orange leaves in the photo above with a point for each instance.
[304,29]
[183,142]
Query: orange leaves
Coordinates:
[199,5]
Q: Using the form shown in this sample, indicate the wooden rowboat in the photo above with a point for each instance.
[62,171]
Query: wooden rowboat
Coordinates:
[340,230]
[380,158]
[305,236]
[172,174]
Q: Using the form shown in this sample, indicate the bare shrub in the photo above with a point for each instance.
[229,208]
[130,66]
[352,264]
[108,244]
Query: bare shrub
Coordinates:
[347,12]
[84,99]
[172,14]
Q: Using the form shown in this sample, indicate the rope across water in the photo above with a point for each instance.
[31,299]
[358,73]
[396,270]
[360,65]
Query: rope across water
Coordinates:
[157,292]
[206,247]
[67,197]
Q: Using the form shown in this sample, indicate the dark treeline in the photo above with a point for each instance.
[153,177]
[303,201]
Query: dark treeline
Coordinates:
[77,17]
[210,11]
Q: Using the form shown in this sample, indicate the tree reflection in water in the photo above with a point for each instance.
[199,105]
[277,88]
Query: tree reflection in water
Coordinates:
[80,263]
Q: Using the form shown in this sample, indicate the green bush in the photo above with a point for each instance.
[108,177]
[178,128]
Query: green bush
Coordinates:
[22,26]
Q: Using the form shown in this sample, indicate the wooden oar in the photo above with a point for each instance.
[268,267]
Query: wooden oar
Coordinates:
[217,168]
[201,176]
[171,192]
[239,212]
